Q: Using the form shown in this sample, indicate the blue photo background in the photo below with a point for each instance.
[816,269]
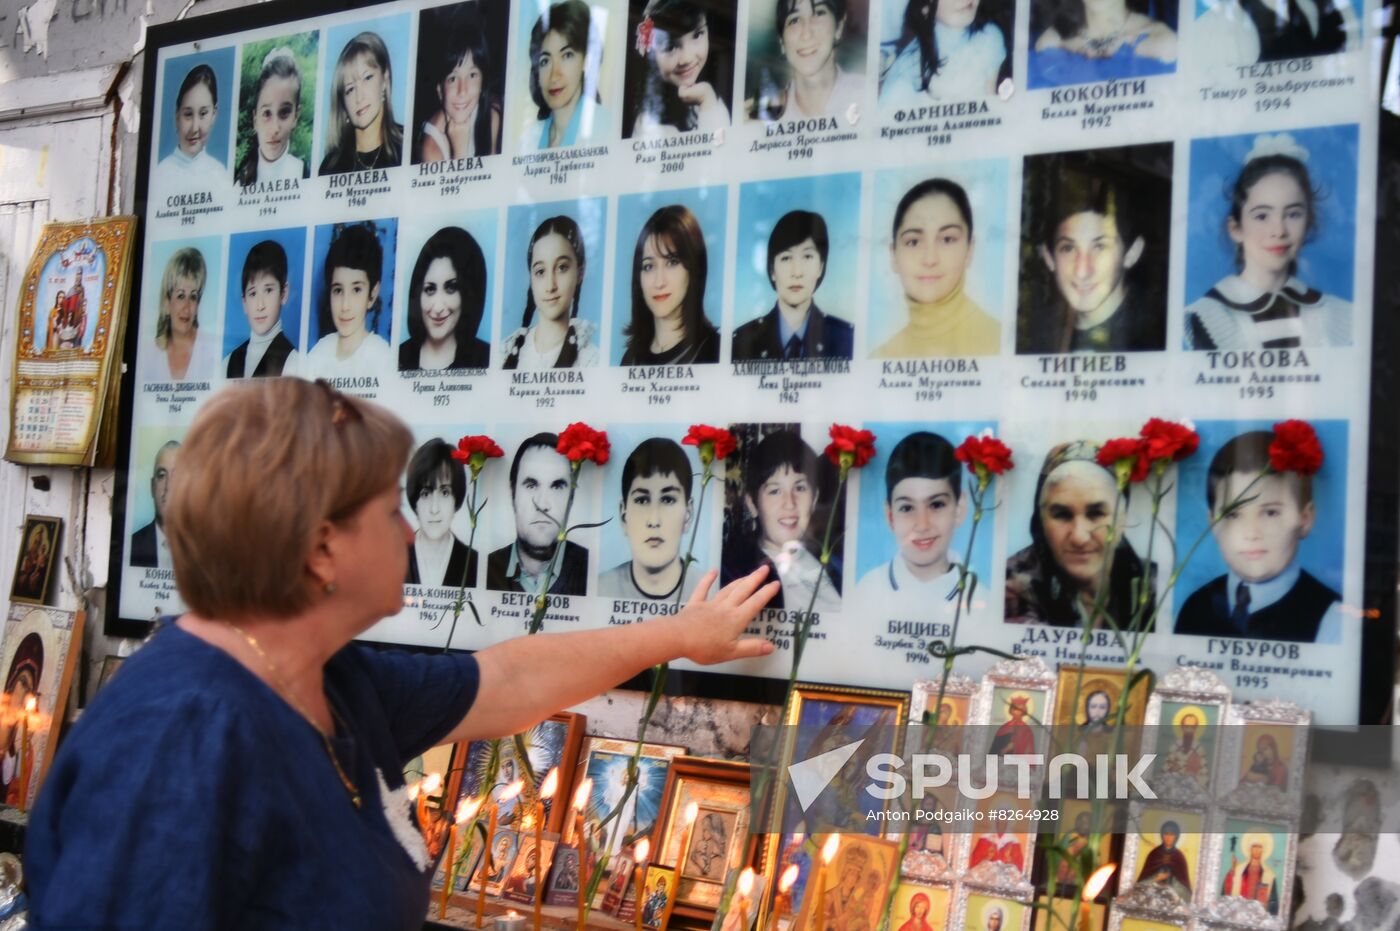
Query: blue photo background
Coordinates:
[709,204]
[608,771]
[875,543]
[591,215]
[482,226]
[221,60]
[209,314]
[1057,67]
[615,550]
[386,231]
[1203,6]
[1326,261]
[293,242]
[394,31]
[761,205]
[987,185]
[1321,552]
[545,744]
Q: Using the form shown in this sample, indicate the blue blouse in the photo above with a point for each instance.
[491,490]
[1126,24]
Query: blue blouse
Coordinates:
[1056,67]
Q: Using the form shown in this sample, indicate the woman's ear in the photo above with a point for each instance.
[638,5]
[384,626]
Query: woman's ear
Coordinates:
[320,563]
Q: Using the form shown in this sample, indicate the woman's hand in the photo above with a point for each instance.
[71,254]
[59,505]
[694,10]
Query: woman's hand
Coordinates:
[712,629]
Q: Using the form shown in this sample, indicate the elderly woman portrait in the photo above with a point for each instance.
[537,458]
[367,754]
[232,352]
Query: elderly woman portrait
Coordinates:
[1056,579]
[183,354]
[251,766]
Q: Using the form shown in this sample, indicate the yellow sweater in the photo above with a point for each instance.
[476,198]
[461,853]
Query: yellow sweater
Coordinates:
[954,326]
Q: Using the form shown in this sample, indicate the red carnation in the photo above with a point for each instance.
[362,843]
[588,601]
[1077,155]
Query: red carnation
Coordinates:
[1295,448]
[473,451]
[579,441]
[712,442]
[1164,439]
[849,447]
[1127,458]
[984,455]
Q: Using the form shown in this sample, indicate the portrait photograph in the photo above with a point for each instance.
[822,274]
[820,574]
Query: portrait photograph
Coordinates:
[806,61]
[921,907]
[444,317]
[669,286]
[527,493]
[38,653]
[778,500]
[352,300]
[437,508]
[1273,567]
[564,74]
[38,554]
[943,52]
[1163,847]
[519,885]
[276,109]
[980,911]
[155,453]
[828,717]
[1068,46]
[605,761]
[938,261]
[550,744]
[365,91]
[263,303]
[651,490]
[183,284]
[195,122]
[67,299]
[1095,235]
[680,67]
[1231,33]
[795,294]
[914,524]
[1271,238]
[460,82]
[854,885]
[553,289]
[1061,507]
[1255,864]
[1186,733]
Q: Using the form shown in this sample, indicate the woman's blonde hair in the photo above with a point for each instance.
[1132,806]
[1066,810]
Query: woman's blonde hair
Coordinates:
[263,464]
[185,263]
[340,132]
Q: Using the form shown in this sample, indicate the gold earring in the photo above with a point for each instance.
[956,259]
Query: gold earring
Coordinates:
[329,588]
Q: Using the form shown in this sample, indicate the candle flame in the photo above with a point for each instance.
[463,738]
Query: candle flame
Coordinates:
[643,848]
[413,792]
[581,794]
[31,703]
[1096,882]
[788,878]
[432,784]
[467,809]
[692,811]
[551,784]
[512,790]
[512,913]
[830,847]
[746,882]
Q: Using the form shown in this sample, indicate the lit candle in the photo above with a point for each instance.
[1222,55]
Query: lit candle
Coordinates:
[508,793]
[688,816]
[431,784]
[466,811]
[510,921]
[31,703]
[547,790]
[785,882]
[828,854]
[745,890]
[581,794]
[643,849]
[1092,888]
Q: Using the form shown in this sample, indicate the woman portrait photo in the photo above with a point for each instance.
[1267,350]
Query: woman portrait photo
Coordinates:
[932,251]
[356,285]
[552,334]
[1230,33]
[446,301]
[184,351]
[945,50]
[1079,41]
[1285,258]
[436,486]
[806,60]
[670,267]
[276,114]
[778,504]
[457,103]
[361,130]
[680,70]
[564,64]
[1055,580]
[195,131]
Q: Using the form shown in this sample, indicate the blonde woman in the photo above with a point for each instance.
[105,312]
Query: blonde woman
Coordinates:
[184,355]
[362,131]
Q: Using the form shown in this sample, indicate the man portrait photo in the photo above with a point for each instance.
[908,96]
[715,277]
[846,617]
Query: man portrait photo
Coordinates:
[149,549]
[539,493]
[655,512]
[1095,228]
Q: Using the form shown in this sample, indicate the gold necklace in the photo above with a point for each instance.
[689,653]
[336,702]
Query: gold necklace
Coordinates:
[286,694]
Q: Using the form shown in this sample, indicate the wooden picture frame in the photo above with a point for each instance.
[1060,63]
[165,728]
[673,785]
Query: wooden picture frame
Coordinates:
[38,553]
[719,841]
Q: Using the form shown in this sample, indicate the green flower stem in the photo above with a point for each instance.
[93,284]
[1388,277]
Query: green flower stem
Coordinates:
[461,601]
[561,539]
